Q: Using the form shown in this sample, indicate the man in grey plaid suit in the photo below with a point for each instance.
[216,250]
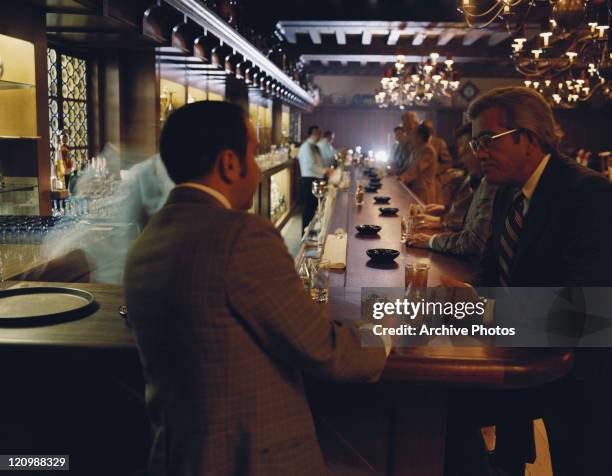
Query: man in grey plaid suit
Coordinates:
[223,325]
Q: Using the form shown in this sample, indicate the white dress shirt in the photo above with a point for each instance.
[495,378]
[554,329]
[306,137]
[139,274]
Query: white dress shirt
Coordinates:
[210,191]
[327,151]
[311,162]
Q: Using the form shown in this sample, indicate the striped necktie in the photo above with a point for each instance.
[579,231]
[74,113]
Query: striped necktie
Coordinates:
[510,237]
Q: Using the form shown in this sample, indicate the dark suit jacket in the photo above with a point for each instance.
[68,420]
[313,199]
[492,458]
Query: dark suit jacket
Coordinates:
[566,238]
[225,329]
[566,241]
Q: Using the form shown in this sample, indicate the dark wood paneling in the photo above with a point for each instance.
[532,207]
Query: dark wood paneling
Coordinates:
[586,128]
[237,93]
[16,157]
[372,128]
[447,121]
[139,105]
[111,99]
[277,121]
[369,128]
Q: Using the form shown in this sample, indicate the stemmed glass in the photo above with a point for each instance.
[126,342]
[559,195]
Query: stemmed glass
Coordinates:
[319,188]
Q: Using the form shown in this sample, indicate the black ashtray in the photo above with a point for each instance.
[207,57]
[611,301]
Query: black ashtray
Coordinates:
[370,189]
[382,255]
[388,211]
[381,199]
[368,229]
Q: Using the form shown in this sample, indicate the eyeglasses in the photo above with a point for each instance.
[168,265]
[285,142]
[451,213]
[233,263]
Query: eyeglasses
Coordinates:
[486,140]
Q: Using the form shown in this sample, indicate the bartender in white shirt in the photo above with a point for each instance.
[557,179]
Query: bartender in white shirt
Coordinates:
[312,168]
[328,153]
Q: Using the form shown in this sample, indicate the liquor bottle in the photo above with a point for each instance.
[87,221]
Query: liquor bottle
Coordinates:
[60,168]
[359,195]
[169,109]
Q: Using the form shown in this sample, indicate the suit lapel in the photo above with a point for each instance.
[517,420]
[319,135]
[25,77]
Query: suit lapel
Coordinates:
[540,208]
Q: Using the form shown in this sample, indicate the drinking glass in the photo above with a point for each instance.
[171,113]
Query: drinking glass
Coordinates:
[416,275]
[319,280]
[416,209]
[319,188]
[407,227]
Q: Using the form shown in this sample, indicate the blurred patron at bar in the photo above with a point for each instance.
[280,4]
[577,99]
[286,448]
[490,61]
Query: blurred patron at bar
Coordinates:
[396,158]
[326,147]
[421,174]
[550,228]
[410,121]
[222,350]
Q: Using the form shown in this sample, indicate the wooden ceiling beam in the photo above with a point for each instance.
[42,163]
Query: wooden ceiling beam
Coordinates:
[403,47]
[419,38]
[473,36]
[315,36]
[393,37]
[446,37]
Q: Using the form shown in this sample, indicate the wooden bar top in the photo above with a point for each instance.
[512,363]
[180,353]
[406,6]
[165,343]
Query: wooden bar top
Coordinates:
[104,329]
[463,366]
[360,272]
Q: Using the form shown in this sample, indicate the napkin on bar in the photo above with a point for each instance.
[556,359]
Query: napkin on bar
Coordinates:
[335,251]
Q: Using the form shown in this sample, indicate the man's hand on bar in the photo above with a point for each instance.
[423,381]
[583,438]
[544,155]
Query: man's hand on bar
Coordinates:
[418,240]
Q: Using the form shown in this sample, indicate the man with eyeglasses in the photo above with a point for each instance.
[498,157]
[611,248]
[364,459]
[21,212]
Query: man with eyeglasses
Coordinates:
[552,226]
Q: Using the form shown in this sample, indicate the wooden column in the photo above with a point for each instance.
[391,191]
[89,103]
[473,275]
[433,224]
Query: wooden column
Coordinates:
[125,104]
[237,92]
[139,126]
[277,121]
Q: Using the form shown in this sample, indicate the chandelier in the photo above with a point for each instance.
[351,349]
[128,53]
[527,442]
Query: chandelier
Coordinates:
[569,61]
[419,84]
[572,89]
[482,13]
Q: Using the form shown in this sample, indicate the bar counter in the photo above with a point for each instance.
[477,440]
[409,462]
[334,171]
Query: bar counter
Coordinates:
[396,426]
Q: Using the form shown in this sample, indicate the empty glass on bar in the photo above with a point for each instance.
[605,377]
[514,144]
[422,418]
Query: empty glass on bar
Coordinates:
[407,227]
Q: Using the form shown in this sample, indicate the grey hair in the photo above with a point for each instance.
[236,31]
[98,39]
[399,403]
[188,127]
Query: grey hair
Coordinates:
[522,108]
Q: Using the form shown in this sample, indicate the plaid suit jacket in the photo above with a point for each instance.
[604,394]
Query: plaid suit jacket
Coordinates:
[472,238]
[225,329]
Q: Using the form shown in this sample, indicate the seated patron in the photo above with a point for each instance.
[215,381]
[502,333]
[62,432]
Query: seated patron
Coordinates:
[396,157]
[549,228]
[421,174]
[466,225]
[223,351]
[409,123]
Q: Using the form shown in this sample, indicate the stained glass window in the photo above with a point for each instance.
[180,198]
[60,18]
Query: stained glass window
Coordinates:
[67,81]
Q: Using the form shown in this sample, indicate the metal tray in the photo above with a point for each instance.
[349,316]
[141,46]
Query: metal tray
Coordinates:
[40,306]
